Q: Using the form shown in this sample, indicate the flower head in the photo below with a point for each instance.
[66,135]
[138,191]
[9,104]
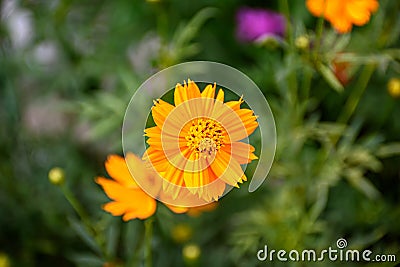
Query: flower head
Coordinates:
[393,87]
[57,176]
[182,233]
[4,260]
[128,198]
[196,143]
[342,14]
[191,253]
[255,24]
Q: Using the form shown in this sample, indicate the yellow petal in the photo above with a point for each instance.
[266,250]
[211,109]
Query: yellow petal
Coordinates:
[116,167]
[142,211]
[152,131]
[358,12]
[186,92]
[115,208]
[192,90]
[114,190]
[342,24]
[209,91]
[316,7]
[214,190]
[135,203]
[227,168]
[235,105]
[373,5]
[239,124]
[242,152]
[180,94]
[220,95]
[177,209]
[160,111]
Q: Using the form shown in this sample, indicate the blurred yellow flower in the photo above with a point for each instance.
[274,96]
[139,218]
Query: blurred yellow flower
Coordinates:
[129,199]
[393,87]
[56,176]
[191,253]
[196,142]
[4,260]
[302,42]
[181,233]
[342,14]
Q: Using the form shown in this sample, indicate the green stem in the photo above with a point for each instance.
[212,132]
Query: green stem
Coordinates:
[137,258]
[355,96]
[284,8]
[292,77]
[306,83]
[292,80]
[319,31]
[77,207]
[148,232]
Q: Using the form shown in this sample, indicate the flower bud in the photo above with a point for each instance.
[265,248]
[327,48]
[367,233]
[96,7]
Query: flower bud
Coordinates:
[393,87]
[302,42]
[56,176]
[191,253]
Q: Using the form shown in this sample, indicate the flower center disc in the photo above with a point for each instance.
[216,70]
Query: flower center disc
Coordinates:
[205,137]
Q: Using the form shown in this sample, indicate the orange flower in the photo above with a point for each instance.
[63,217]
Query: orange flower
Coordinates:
[195,144]
[128,198]
[342,14]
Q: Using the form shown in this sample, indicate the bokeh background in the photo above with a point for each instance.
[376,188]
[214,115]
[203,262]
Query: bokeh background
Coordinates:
[68,69]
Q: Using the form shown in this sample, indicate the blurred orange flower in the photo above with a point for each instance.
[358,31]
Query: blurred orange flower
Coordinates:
[341,71]
[342,14]
[128,198]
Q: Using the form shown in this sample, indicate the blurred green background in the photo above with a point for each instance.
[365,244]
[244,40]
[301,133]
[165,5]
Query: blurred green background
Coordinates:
[68,69]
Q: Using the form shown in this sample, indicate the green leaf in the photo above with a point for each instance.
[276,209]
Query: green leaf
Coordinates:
[341,43]
[105,127]
[330,77]
[364,59]
[356,178]
[365,240]
[86,260]
[112,103]
[189,31]
[86,237]
[134,234]
[320,203]
[389,150]
[113,233]
[185,34]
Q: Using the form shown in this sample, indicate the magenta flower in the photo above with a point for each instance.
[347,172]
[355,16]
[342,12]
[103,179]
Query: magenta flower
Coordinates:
[257,24]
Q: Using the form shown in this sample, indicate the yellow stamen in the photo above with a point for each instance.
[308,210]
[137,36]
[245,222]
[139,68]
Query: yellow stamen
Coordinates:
[205,137]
